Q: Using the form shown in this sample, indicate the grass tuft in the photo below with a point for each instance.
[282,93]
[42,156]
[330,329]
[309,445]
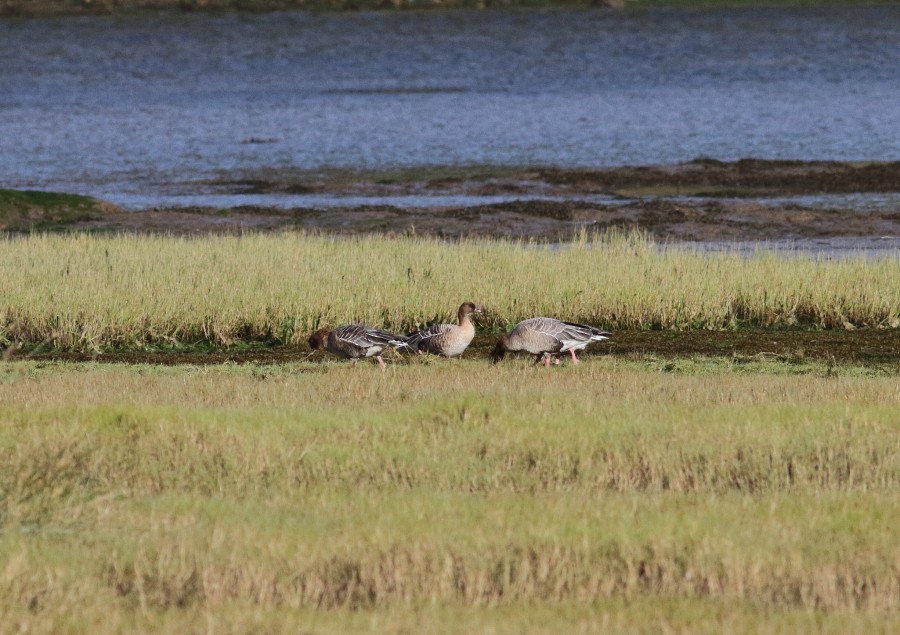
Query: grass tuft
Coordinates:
[25,210]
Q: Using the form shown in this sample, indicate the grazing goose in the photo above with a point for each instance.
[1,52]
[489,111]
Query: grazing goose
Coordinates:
[545,337]
[448,340]
[356,340]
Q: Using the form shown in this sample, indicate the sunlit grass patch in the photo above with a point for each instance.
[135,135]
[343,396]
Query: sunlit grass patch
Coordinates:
[354,500]
[83,292]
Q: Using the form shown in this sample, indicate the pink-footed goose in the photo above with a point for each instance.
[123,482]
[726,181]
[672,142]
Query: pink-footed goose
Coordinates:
[449,340]
[545,337]
[354,341]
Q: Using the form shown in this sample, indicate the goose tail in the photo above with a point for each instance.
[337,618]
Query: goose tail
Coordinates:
[400,341]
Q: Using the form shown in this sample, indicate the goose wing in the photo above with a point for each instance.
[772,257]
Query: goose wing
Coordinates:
[428,339]
[366,340]
[555,336]
[540,335]
[580,335]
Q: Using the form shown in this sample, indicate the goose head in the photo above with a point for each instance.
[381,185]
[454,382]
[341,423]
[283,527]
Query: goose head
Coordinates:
[317,340]
[468,308]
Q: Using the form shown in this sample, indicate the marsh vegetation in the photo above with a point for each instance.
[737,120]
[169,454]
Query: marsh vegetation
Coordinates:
[457,494]
[755,489]
[89,293]
[42,211]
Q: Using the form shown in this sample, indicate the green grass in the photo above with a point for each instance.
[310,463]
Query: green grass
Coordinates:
[24,210]
[449,497]
[89,293]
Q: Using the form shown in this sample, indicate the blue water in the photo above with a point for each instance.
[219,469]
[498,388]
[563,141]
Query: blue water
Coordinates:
[143,106]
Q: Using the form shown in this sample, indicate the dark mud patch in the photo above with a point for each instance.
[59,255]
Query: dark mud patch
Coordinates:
[876,346]
[701,178]
[703,200]
[747,177]
[700,201]
[701,221]
[865,347]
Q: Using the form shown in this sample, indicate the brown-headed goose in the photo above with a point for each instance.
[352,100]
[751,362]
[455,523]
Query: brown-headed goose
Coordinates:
[356,340]
[545,337]
[448,340]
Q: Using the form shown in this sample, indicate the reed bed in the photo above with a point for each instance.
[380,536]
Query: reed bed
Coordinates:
[85,292]
[355,500]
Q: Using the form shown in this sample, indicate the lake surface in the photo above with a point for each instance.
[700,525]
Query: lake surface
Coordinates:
[139,108]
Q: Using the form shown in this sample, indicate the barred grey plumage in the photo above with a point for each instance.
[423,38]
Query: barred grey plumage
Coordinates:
[545,337]
[354,341]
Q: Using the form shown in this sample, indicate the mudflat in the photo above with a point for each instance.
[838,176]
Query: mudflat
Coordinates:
[702,200]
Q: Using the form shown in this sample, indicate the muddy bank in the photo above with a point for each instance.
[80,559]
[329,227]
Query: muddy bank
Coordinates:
[876,347]
[699,178]
[700,221]
[726,202]
[700,201]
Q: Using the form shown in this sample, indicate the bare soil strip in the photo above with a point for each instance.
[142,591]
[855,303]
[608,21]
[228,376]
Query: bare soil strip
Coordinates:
[864,346]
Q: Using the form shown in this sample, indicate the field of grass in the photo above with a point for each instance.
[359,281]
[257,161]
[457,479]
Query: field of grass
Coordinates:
[448,496]
[702,495]
[89,293]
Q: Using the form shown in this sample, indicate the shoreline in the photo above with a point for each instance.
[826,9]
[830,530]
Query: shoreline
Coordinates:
[703,201]
[707,223]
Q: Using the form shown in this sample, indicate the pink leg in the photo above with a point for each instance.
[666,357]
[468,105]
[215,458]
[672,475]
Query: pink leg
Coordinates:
[547,361]
[574,359]
[555,360]
[381,362]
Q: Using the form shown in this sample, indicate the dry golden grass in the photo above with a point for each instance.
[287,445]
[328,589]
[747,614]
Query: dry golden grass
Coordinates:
[450,497]
[84,292]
